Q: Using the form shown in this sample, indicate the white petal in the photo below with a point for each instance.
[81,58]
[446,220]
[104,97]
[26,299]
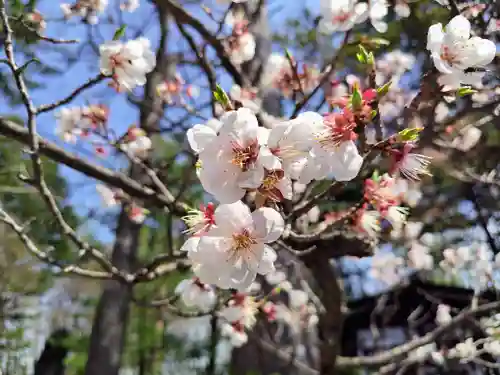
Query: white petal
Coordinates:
[268,160]
[252,178]
[298,298]
[262,135]
[347,164]
[457,30]
[232,218]
[268,223]
[191,244]
[266,264]
[479,52]
[199,136]
[435,37]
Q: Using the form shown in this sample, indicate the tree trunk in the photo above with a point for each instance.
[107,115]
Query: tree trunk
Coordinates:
[331,295]
[111,319]
[51,361]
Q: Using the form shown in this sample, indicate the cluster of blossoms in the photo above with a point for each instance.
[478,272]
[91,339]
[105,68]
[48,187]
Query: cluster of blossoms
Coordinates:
[81,122]
[36,20]
[240,45]
[454,51]
[283,74]
[114,197]
[89,10]
[343,15]
[174,91]
[127,63]
[240,313]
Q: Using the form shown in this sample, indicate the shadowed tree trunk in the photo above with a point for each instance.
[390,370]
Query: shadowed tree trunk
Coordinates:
[51,361]
[112,313]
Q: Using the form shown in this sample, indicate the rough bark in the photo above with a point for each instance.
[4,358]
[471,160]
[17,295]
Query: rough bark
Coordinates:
[51,361]
[330,322]
[111,319]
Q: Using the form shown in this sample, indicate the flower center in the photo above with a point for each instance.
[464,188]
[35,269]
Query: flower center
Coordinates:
[245,156]
[242,242]
[448,56]
[271,180]
[342,16]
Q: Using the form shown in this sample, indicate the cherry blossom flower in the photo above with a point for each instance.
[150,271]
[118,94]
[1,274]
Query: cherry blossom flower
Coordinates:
[343,163]
[378,10]
[453,81]
[136,143]
[89,10]
[492,347]
[241,308]
[289,142]
[37,21]
[402,9]
[278,279]
[230,163]
[247,97]
[453,49]
[466,350]
[127,63]
[387,268]
[232,253]
[173,91]
[194,293]
[200,221]
[129,5]
[367,221]
[443,316]
[419,257]
[396,215]
[276,186]
[299,315]
[392,65]
[341,15]
[380,193]
[95,116]
[110,197]
[241,44]
[408,191]
[201,135]
[467,139]
[409,164]
[333,151]
[269,309]
[279,75]
[69,120]
[236,334]
[137,213]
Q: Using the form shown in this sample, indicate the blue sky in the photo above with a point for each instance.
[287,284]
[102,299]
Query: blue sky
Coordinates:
[122,114]
[83,196]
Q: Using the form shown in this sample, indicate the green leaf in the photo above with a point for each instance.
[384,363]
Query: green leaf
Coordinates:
[120,32]
[383,90]
[356,98]
[375,175]
[409,134]
[365,57]
[464,91]
[221,97]
[378,42]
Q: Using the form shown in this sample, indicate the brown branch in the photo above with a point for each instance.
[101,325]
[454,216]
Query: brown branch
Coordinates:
[90,83]
[183,17]
[115,179]
[402,350]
